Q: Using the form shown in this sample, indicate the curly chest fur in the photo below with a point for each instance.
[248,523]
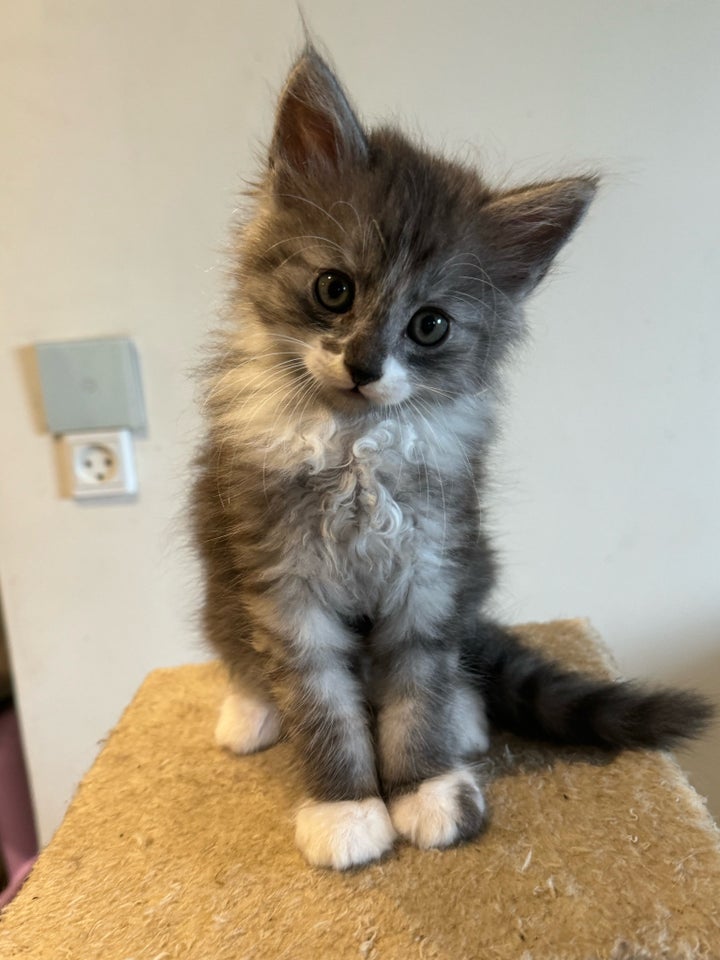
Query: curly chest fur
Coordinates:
[361,511]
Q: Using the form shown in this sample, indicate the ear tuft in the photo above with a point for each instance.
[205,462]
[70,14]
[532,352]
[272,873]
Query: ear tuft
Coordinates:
[316,129]
[527,227]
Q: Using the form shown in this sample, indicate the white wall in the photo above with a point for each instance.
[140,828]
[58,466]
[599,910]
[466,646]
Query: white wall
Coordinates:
[126,129]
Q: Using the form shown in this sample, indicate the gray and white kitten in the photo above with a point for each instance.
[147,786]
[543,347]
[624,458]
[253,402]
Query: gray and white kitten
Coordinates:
[339,495]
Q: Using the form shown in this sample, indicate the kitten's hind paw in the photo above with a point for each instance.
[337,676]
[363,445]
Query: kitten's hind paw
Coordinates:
[344,834]
[440,812]
[247,724]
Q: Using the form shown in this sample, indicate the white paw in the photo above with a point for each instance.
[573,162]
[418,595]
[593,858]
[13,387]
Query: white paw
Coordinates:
[344,834]
[247,723]
[441,811]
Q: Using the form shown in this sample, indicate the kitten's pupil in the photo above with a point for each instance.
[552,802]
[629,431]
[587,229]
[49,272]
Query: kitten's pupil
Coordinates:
[335,291]
[336,288]
[428,324]
[428,327]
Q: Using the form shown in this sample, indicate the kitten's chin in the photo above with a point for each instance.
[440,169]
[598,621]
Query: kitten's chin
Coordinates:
[347,401]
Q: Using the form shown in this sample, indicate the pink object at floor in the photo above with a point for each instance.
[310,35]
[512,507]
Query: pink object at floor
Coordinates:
[18,841]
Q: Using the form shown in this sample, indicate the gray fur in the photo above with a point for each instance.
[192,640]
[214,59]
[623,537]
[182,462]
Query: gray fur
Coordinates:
[341,526]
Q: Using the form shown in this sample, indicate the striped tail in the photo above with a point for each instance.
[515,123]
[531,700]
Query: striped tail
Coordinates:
[534,697]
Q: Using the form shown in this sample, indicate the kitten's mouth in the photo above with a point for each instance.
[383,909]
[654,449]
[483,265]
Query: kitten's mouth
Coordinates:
[348,398]
[355,399]
[354,393]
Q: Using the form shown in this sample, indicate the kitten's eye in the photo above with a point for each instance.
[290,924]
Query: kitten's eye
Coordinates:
[335,291]
[428,327]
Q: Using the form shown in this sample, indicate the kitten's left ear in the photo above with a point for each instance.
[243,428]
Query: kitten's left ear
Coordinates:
[525,228]
[316,130]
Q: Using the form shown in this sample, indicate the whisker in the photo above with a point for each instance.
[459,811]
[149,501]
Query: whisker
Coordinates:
[285,336]
[438,474]
[380,236]
[487,282]
[305,236]
[265,377]
[266,372]
[347,203]
[295,196]
[308,246]
[303,387]
[444,426]
[421,451]
[442,393]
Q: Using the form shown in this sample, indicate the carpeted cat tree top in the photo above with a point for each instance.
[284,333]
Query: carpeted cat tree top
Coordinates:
[174,849]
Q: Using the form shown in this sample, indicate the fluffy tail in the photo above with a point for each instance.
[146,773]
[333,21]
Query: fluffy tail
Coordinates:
[526,694]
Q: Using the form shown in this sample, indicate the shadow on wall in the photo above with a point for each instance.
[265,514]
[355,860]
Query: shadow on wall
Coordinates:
[701,760]
[27,359]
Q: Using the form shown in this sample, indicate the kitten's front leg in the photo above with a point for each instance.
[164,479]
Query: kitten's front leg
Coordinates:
[345,823]
[249,720]
[429,722]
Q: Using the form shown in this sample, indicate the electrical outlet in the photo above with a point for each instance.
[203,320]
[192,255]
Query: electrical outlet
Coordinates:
[99,464]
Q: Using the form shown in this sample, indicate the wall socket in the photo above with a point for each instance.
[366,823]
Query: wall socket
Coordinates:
[98,464]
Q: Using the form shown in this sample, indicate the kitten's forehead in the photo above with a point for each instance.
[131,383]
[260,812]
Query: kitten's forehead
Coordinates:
[404,209]
[423,201]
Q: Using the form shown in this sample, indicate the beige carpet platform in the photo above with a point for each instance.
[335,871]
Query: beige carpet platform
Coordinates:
[174,849]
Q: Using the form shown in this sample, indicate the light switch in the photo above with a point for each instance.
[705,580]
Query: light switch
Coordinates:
[91,385]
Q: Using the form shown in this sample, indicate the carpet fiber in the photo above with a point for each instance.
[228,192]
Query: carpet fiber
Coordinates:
[174,849]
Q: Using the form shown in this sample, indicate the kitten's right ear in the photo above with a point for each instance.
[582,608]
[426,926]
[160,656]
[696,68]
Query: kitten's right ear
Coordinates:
[316,130]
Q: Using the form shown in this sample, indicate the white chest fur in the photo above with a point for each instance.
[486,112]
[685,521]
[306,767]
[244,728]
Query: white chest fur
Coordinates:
[365,512]
[359,514]
[362,482]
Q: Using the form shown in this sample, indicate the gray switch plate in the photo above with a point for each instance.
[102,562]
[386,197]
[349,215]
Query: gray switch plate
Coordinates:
[91,385]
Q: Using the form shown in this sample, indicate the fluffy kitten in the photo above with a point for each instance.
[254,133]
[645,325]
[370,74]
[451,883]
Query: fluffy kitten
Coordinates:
[338,500]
